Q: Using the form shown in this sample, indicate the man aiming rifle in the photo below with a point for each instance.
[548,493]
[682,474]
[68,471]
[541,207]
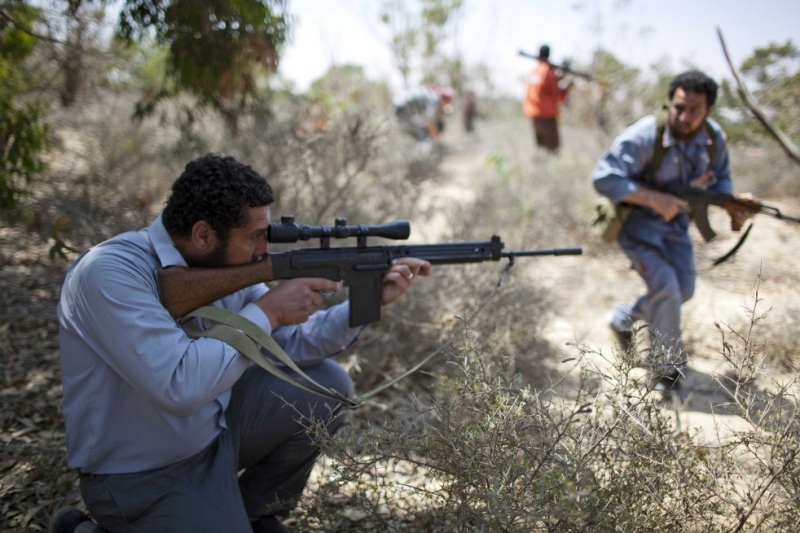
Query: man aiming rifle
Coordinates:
[177,432]
[146,405]
[361,268]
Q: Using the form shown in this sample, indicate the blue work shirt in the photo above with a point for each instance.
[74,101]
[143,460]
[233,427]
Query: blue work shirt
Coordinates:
[138,393]
[620,172]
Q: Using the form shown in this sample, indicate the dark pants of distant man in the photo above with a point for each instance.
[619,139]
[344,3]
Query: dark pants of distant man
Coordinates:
[545,130]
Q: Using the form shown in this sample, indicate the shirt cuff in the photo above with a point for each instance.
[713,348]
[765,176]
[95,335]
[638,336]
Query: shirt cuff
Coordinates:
[254,314]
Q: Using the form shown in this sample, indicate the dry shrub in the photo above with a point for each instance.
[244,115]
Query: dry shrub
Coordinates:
[355,165]
[486,452]
[106,173]
[765,171]
[506,323]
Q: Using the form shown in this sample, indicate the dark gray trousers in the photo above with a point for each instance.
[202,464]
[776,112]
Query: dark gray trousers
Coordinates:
[265,441]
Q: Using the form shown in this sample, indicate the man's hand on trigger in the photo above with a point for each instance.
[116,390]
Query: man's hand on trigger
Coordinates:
[667,205]
[399,278]
[293,301]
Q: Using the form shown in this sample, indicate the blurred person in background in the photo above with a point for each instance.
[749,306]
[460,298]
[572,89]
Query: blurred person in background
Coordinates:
[546,91]
[422,112]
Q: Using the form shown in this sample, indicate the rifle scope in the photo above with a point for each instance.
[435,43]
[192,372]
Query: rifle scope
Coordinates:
[287,231]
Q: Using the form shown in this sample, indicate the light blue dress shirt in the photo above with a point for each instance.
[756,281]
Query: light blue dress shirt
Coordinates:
[138,392]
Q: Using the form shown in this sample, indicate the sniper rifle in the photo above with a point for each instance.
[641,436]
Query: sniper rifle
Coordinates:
[361,268]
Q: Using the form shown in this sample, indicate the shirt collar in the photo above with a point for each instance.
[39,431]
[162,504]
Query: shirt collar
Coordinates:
[168,254]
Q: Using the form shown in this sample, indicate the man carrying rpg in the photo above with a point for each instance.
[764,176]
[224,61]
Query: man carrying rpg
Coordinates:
[546,91]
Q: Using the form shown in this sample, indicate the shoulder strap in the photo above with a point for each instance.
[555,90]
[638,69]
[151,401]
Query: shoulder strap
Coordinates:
[659,150]
[712,142]
[658,147]
[249,339]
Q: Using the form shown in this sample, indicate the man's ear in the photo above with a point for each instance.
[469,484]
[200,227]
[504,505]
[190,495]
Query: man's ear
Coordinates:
[203,237]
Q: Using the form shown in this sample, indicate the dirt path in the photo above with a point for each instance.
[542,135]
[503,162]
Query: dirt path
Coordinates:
[763,275]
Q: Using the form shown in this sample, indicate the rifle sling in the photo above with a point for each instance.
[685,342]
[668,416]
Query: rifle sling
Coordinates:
[249,339]
[246,337]
[733,250]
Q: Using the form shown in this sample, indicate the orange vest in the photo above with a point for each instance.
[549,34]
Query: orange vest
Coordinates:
[543,93]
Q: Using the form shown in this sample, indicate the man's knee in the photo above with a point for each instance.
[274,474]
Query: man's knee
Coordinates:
[687,288]
[686,293]
[333,376]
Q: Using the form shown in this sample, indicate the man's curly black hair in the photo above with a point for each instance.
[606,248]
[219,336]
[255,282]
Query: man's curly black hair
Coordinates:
[696,82]
[217,189]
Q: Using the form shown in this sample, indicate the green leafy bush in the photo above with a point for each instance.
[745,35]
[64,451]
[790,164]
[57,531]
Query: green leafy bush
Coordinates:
[23,134]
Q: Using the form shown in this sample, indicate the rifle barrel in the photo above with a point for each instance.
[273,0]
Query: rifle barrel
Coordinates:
[781,216]
[555,251]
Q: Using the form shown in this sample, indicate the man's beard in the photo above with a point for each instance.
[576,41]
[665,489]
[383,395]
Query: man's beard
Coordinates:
[215,258]
[685,137]
[682,135]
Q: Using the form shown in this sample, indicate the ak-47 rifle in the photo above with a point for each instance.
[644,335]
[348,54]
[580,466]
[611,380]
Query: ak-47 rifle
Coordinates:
[564,66]
[361,268]
[700,199]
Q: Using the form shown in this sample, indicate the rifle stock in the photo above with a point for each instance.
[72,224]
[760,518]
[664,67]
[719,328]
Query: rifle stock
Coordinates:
[361,268]
[184,289]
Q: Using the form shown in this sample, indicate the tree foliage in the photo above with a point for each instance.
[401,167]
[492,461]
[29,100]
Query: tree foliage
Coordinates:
[22,129]
[217,48]
[615,85]
[776,70]
[419,35]
[772,73]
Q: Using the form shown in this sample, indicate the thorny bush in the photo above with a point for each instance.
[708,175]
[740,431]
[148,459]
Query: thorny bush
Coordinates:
[482,450]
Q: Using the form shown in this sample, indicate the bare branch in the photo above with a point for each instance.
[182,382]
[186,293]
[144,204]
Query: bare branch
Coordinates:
[791,150]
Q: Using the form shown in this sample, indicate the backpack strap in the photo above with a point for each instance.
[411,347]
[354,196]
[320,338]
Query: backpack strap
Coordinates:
[712,142]
[658,147]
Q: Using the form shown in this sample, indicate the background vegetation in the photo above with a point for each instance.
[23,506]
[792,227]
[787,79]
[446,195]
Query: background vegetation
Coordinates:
[503,430]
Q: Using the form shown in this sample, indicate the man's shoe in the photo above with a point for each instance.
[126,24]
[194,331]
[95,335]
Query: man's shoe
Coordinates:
[71,520]
[621,323]
[624,338]
[268,524]
[669,384]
